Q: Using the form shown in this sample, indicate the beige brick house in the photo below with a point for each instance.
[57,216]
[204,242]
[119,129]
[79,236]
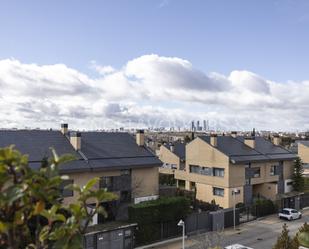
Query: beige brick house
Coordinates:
[218,166]
[173,156]
[303,151]
[123,164]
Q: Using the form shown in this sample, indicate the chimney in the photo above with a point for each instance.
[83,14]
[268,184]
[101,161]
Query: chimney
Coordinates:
[214,140]
[276,140]
[64,129]
[234,134]
[76,140]
[250,141]
[140,137]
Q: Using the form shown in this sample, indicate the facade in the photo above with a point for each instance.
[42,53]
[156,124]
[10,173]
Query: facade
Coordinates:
[234,169]
[173,156]
[123,164]
[303,153]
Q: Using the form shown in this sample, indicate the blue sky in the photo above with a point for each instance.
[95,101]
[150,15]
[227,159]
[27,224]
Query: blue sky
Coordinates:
[155,63]
[267,37]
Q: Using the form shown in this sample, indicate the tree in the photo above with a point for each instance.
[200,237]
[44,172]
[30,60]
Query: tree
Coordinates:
[187,139]
[284,240]
[298,179]
[209,240]
[300,236]
[32,215]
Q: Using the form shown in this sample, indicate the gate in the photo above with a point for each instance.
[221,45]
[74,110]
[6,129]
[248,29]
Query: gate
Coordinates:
[198,222]
[247,214]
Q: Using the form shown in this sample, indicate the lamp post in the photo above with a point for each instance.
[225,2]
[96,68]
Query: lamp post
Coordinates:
[234,192]
[181,223]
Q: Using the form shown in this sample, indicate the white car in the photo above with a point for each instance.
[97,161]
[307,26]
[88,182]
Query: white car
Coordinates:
[237,246]
[289,214]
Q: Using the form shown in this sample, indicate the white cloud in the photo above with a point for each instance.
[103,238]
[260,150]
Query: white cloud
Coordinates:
[150,90]
[103,70]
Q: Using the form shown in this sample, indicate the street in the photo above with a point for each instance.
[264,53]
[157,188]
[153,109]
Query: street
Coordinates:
[258,234]
[263,233]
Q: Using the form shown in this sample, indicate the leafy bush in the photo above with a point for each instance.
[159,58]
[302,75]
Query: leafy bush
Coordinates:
[240,205]
[206,206]
[152,215]
[264,207]
[167,180]
[31,213]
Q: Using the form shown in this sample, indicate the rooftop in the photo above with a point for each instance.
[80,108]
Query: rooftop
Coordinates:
[239,152]
[99,150]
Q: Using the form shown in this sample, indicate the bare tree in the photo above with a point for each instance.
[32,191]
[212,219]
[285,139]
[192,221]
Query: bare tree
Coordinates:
[209,240]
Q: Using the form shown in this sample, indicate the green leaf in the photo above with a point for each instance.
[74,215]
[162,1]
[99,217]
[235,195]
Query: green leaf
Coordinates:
[91,183]
[3,227]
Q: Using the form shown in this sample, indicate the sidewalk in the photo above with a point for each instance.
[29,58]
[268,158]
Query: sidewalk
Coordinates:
[175,243]
[242,229]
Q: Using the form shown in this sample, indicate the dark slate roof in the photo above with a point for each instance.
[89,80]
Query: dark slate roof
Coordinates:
[239,152]
[37,143]
[304,142]
[97,145]
[100,151]
[115,150]
[179,149]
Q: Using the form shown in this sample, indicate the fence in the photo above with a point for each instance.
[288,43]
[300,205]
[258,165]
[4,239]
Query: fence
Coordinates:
[197,222]
[304,200]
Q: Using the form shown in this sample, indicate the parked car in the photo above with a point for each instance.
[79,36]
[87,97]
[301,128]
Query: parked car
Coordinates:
[289,214]
[237,246]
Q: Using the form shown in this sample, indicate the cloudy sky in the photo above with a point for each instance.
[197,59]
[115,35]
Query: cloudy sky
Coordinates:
[103,64]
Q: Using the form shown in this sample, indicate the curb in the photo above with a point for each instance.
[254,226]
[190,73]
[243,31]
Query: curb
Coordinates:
[161,243]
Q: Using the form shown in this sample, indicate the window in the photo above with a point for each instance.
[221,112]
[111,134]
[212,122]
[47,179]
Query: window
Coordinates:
[181,184]
[125,172]
[194,169]
[218,172]
[200,170]
[256,172]
[273,170]
[106,182]
[218,191]
[192,186]
[66,192]
[206,171]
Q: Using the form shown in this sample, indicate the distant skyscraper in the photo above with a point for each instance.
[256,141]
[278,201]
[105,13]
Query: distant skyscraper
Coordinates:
[198,125]
[192,126]
[204,125]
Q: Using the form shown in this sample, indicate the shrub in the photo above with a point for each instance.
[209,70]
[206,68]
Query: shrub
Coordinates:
[151,215]
[31,212]
[264,207]
[284,240]
[206,206]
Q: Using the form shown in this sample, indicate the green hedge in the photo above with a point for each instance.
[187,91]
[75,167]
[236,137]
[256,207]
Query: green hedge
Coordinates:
[151,215]
[264,207]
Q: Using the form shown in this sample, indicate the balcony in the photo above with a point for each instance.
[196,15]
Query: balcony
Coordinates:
[198,178]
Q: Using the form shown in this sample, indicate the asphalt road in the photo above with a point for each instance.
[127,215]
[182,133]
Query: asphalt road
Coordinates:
[258,234]
[262,234]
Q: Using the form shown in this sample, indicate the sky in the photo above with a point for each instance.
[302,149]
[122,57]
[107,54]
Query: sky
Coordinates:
[141,63]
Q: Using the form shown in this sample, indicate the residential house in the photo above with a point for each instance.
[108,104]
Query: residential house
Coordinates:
[173,156]
[303,153]
[123,164]
[235,169]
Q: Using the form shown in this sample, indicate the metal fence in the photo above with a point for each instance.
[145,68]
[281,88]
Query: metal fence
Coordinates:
[304,200]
